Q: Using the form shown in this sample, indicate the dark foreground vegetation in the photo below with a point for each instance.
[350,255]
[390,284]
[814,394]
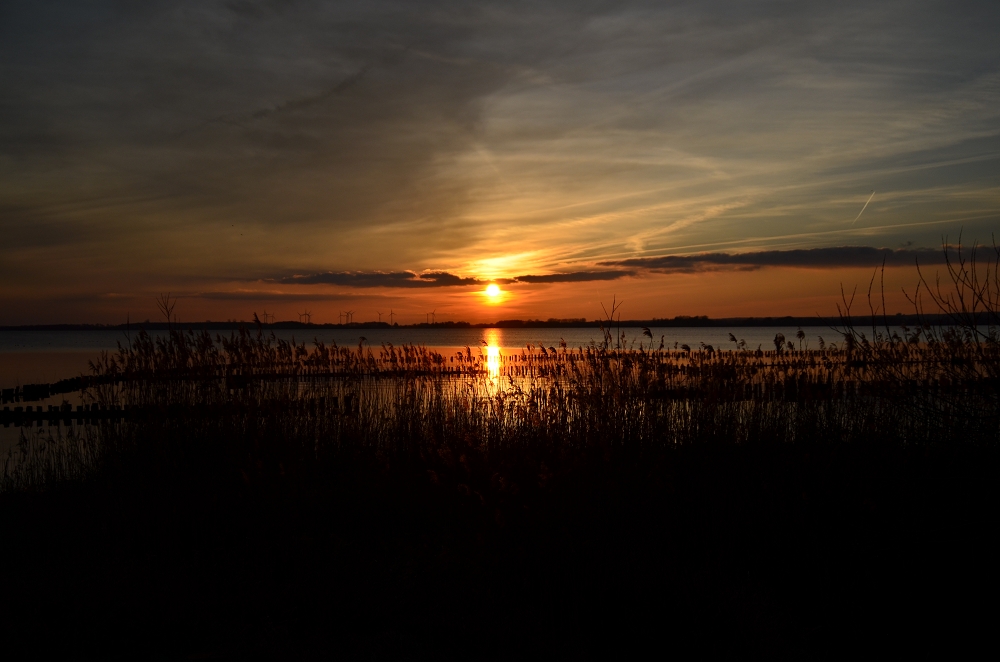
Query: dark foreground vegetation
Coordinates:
[268,500]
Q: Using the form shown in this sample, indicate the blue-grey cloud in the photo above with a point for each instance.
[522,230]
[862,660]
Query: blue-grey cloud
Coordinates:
[407,279]
[574,277]
[403,279]
[279,297]
[819,258]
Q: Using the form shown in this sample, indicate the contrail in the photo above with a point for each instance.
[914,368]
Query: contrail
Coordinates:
[863,208]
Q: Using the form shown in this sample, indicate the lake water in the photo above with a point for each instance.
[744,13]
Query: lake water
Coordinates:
[32,357]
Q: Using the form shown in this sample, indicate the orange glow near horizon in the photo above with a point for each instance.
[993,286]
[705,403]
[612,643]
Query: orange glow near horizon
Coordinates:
[775,292]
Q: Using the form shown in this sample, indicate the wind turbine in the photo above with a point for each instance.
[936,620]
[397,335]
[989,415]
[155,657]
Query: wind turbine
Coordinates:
[379,316]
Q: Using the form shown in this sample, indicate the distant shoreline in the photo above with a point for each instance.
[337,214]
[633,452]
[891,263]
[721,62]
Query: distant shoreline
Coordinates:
[680,321]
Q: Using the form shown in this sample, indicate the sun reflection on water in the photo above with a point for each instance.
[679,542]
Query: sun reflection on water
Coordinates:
[493,361]
[493,353]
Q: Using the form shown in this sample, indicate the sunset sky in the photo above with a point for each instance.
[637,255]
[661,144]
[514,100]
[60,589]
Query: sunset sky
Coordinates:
[689,158]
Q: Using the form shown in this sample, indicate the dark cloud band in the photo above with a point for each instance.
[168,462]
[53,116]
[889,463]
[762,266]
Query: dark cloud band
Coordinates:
[407,279]
[271,296]
[378,279]
[817,258]
[574,277]
[832,257]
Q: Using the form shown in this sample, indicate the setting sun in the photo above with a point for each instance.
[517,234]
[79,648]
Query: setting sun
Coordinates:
[493,290]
